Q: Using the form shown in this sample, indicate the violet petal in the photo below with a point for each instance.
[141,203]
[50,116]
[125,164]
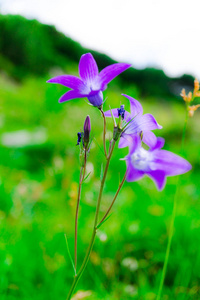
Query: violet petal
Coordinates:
[88,69]
[158,177]
[169,162]
[143,123]
[124,141]
[70,81]
[136,107]
[70,95]
[96,99]
[135,143]
[114,111]
[149,138]
[158,145]
[132,173]
[110,72]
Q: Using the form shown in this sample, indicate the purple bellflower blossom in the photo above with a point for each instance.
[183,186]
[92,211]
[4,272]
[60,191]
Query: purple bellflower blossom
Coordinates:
[91,83]
[137,123]
[155,163]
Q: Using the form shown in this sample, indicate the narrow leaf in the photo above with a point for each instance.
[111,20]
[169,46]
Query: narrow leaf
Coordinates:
[115,124]
[86,176]
[70,257]
[98,145]
[99,225]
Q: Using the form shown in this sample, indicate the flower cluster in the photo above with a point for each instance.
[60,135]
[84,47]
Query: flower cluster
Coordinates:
[133,128]
[155,163]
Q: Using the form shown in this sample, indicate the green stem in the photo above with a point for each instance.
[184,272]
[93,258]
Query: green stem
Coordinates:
[85,261]
[115,197]
[104,133]
[81,178]
[171,230]
[76,219]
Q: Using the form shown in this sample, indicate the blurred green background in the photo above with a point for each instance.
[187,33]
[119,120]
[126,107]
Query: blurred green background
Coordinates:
[40,170]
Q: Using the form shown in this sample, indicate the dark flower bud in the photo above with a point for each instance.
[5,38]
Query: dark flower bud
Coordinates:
[121,111]
[86,131]
[79,138]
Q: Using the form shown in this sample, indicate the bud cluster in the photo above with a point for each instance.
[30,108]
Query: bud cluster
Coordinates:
[188,98]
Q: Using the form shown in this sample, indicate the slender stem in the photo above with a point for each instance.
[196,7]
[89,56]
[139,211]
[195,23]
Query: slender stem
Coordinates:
[85,261]
[111,205]
[104,133]
[171,230]
[84,167]
[81,178]
[184,130]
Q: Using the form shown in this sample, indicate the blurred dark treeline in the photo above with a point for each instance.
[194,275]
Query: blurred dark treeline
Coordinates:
[29,48]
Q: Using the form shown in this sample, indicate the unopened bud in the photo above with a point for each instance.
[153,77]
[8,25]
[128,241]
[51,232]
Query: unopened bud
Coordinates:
[86,131]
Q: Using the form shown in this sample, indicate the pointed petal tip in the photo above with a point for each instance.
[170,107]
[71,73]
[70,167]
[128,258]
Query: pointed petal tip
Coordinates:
[49,81]
[110,72]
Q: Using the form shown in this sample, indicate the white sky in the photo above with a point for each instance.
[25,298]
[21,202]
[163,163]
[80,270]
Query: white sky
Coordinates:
[160,33]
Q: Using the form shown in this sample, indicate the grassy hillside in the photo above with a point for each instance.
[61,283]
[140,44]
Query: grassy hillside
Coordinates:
[28,47]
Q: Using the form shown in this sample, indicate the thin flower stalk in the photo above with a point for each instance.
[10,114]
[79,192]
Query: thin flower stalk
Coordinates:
[113,201]
[81,178]
[104,132]
[174,209]
[85,261]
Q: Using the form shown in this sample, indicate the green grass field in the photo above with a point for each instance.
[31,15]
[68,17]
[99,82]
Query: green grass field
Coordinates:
[38,189]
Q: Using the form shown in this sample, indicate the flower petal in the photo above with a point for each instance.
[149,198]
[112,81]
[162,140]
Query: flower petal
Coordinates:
[70,95]
[170,163]
[142,123]
[124,141]
[149,138]
[132,173]
[110,72]
[114,111]
[136,107]
[88,68]
[159,177]
[96,99]
[70,81]
[159,144]
[134,143]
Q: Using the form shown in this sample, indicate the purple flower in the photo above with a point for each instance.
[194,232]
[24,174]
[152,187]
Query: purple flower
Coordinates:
[91,83]
[137,123]
[155,163]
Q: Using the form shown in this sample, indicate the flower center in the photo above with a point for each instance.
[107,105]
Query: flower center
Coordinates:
[141,159]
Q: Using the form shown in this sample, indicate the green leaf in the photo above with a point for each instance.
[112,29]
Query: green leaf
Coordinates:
[70,257]
[86,176]
[99,225]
